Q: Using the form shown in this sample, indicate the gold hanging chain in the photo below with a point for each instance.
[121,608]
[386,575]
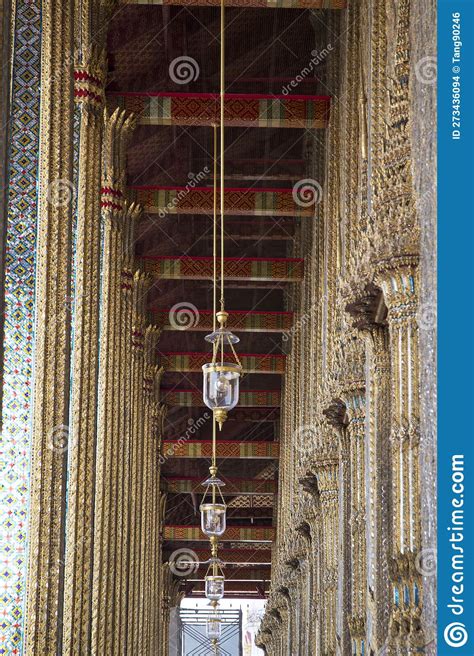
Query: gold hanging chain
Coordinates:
[214,446]
[235,354]
[222,148]
[214,299]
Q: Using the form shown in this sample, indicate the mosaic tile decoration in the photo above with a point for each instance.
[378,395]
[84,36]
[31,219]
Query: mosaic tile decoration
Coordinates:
[19,322]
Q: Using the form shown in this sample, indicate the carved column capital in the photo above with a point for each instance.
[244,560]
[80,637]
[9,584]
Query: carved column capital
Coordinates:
[90,72]
[368,311]
[118,129]
[354,401]
[335,414]
[397,278]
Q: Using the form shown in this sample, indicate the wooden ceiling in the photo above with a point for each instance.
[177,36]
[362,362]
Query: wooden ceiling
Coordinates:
[265,51]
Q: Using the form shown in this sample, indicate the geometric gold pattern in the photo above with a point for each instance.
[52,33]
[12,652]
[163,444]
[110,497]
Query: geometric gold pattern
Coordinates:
[225,449]
[242,110]
[251,363]
[235,268]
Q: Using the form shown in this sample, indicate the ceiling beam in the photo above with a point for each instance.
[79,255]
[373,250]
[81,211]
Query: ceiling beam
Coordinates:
[234,556]
[239,573]
[191,319]
[233,487]
[247,398]
[244,4]
[255,269]
[247,449]
[232,534]
[252,363]
[240,110]
[239,201]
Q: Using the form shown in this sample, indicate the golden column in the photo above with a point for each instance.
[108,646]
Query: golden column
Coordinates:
[132,216]
[396,273]
[354,399]
[81,483]
[141,284]
[52,341]
[151,371]
[399,282]
[369,314]
[107,552]
[326,468]
[156,515]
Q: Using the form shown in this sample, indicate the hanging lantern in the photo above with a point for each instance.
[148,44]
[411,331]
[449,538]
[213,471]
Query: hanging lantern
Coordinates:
[213,513]
[214,587]
[213,626]
[214,581]
[220,378]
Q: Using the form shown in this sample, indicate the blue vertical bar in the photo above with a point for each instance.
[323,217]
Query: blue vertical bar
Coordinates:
[456,327]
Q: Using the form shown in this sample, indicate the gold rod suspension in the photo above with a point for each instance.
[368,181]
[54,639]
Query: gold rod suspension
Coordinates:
[222,80]
[214,299]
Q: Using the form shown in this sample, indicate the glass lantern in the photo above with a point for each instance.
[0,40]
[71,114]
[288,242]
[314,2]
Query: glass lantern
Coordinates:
[221,388]
[213,519]
[213,626]
[214,580]
[221,379]
[213,513]
[214,589]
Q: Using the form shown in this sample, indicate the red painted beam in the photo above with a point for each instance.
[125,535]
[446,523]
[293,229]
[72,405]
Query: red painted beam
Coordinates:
[246,449]
[248,398]
[252,363]
[188,317]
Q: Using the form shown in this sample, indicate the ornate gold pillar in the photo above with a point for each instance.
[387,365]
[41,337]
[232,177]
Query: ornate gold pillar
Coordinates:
[107,582]
[369,314]
[45,577]
[82,443]
[398,279]
[354,399]
[335,414]
[141,284]
[151,371]
[327,472]
[132,215]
